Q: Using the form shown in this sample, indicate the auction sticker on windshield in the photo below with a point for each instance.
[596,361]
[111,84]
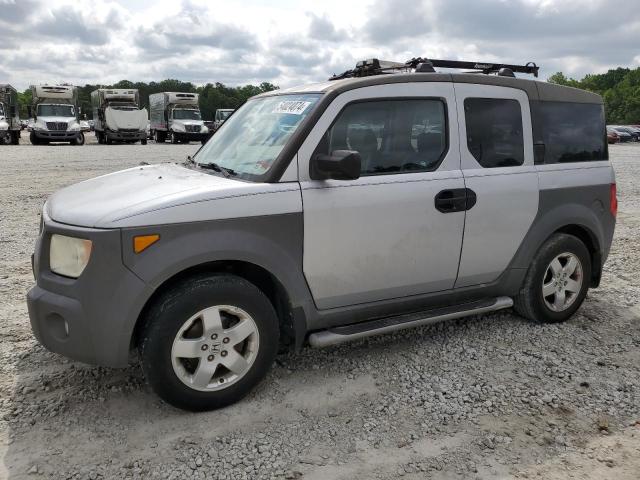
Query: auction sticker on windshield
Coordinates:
[291,106]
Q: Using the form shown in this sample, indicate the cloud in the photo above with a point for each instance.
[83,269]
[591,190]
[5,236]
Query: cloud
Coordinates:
[288,44]
[66,23]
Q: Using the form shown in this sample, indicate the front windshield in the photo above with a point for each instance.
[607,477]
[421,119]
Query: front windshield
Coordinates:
[46,110]
[251,140]
[181,114]
[225,113]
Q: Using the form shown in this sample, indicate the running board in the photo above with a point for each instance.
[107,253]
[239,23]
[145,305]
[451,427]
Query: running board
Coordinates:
[347,333]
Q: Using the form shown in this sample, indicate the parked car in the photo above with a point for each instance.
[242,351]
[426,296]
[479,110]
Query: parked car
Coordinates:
[635,136]
[612,136]
[24,123]
[92,125]
[320,214]
[623,135]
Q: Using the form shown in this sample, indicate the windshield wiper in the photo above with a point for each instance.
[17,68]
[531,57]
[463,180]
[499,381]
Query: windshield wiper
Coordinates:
[229,172]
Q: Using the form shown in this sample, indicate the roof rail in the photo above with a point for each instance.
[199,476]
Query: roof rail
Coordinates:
[373,66]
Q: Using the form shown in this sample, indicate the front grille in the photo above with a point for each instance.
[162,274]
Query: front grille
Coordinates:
[192,128]
[129,130]
[57,126]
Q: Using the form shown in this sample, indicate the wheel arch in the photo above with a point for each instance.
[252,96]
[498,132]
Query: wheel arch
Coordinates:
[572,219]
[291,319]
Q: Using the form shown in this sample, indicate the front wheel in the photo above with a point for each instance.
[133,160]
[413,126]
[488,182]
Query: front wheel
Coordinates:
[79,140]
[557,281]
[143,141]
[173,137]
[208,342]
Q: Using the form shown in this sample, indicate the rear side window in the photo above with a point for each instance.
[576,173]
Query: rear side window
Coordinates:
[494,131]
[392,136]
[573,132]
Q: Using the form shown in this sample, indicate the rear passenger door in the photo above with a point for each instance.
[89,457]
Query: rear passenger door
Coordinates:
[498,166]
[381,236]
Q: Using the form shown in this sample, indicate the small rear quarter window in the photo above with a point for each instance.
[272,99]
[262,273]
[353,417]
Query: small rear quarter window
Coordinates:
[573,132]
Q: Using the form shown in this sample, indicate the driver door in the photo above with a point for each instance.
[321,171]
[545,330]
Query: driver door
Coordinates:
[383,235]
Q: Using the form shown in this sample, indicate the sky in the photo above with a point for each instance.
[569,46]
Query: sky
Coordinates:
[290,42]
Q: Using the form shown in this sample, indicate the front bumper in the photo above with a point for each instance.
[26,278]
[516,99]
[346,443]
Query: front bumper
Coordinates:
[120,136]
[191,136]
[91,318]
[56,136]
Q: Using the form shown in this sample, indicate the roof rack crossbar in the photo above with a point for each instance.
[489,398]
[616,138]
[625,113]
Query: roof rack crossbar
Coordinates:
[374,66]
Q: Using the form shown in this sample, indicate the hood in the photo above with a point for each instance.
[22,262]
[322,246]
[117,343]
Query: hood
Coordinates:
[105,201]
[126,119]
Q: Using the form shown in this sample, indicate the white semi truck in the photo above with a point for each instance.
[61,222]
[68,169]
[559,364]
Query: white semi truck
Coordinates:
[55,112]
[9,118]
[176,116]
[118,116]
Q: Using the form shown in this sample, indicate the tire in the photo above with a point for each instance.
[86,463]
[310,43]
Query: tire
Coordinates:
[79,140]
[556,306]
[203,141]
[172,378]
[173,138]
[143,141]
[33,139]
[15,138]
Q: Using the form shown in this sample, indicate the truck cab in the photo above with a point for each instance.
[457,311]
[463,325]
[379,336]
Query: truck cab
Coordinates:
[55,112]
[9,120]
[176,116]
[118,116]
[388,197]
[221,115]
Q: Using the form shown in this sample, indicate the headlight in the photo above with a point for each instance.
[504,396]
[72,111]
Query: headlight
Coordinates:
[204,129]
[178,127]
[74,128]
[68,256]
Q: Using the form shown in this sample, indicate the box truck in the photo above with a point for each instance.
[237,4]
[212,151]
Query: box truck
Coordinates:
[55,112]
[118,117]
[9,120]
[176,116]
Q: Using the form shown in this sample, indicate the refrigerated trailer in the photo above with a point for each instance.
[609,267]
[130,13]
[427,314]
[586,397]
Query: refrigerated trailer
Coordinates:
[9,118]
[176,116]
[118,116]
[55,112]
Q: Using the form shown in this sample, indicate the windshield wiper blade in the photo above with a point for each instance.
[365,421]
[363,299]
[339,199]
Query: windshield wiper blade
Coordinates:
[217,168]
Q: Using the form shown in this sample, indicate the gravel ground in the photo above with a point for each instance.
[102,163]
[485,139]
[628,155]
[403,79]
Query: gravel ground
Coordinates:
[490,396]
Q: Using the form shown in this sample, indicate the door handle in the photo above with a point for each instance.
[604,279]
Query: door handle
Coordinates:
[455,200]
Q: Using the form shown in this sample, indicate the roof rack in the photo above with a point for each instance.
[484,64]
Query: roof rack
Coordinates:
[373,66]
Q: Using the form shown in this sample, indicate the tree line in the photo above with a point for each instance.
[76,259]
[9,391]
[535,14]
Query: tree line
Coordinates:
[212,96]
[620,89]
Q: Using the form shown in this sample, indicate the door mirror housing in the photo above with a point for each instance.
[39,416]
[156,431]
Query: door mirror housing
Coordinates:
[340,165]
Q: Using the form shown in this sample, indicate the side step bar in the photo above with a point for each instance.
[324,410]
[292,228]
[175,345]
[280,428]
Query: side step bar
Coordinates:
[347,333]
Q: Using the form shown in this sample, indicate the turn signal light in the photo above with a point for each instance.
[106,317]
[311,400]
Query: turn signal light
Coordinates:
[613,200]
[142,242]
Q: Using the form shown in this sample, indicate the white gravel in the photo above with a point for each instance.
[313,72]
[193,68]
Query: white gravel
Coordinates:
[485,397]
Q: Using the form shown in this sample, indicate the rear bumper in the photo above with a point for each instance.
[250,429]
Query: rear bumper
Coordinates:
[91,318]
[120,136]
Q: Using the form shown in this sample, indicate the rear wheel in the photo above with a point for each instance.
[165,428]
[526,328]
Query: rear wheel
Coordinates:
[15,137]
[143,141]
[557,281]
[208,342]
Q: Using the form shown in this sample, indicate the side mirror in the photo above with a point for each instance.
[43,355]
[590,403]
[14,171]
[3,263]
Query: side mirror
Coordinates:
[340,165]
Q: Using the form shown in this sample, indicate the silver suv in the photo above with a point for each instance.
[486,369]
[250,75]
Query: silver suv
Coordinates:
[390,197]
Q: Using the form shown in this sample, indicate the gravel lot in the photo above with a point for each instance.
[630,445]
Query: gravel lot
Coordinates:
[485,397]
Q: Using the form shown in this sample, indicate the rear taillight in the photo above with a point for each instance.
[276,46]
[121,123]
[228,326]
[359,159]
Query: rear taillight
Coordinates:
[613,200]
